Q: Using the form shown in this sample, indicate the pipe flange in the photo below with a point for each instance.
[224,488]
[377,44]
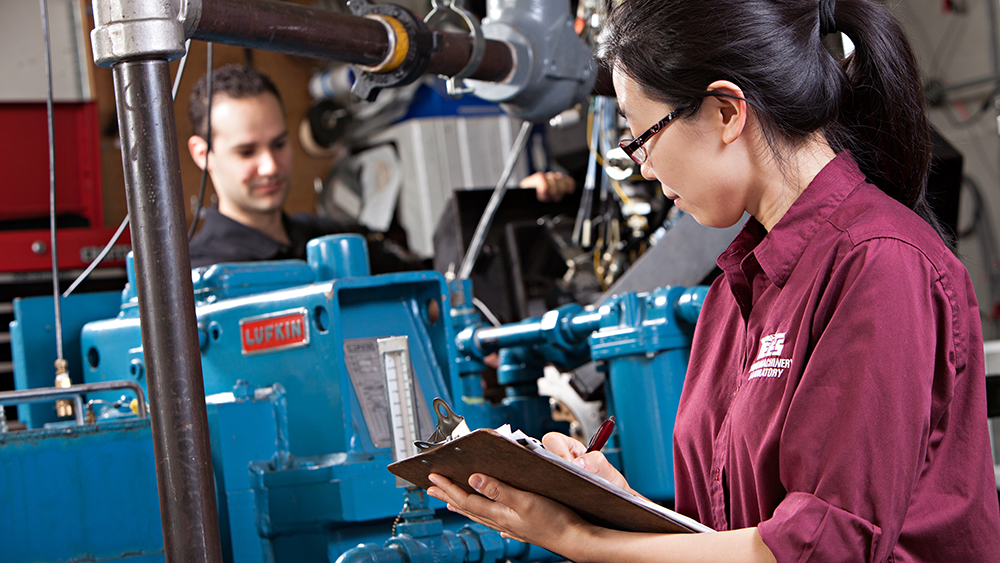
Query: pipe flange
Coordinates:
[125,30]
[410,47]
[438,15]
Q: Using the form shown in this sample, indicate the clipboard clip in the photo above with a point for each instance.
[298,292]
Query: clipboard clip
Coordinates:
[447,423]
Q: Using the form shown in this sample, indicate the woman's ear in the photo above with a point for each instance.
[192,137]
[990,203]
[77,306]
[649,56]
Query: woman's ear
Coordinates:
[729,107]
[199,150]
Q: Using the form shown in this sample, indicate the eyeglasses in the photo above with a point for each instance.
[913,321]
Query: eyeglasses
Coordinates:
[633,147]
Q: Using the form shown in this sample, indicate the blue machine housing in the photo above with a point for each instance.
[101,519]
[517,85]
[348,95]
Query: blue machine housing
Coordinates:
[327,415]
[645,340]
[297,409]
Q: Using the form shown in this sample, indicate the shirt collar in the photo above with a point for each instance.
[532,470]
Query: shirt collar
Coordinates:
[221,226]
[779,251]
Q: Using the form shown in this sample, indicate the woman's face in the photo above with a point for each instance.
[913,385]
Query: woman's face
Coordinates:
[688,157]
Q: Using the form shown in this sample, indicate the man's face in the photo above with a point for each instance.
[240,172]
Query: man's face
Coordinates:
[251,158]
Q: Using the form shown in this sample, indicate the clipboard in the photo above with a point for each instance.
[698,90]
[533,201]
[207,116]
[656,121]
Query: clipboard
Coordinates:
[532,468]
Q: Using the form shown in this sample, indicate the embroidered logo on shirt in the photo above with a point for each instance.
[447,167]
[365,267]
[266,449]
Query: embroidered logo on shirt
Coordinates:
[769,362]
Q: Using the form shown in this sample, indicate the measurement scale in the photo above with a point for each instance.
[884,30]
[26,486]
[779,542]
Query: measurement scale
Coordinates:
[394,356]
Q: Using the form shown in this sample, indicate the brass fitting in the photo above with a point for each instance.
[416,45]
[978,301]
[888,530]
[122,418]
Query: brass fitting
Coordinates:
[64,407]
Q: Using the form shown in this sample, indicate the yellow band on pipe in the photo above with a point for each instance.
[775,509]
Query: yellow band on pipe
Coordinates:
[399,44]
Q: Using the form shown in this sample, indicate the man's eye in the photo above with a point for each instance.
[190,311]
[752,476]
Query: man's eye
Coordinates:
[280,143]
[245,153]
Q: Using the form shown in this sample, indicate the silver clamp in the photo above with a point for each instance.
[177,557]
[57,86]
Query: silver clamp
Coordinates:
[442,8]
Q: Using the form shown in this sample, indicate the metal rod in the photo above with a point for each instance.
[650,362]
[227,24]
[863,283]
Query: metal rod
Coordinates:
[166,312]
[576,328]
[52,182]
[283,27]
[42,394]
[491,208]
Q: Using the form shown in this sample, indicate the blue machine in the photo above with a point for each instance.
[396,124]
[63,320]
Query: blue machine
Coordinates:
[298,414]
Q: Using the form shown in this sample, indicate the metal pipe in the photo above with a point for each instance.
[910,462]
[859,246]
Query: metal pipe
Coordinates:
[456,48]
[575,328]
[308,32]
[491,339]
[166,311]
[43,394]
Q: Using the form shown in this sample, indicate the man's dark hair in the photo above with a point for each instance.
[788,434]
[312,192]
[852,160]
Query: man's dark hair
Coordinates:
[234,81]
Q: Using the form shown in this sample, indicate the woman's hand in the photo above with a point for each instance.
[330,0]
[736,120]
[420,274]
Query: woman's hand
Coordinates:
[573,451]
[516,514]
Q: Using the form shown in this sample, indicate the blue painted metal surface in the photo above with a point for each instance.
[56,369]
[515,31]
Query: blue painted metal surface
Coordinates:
[79,494]
[422,538]
[327,416]
[299,462]
[34,330]
[645,340]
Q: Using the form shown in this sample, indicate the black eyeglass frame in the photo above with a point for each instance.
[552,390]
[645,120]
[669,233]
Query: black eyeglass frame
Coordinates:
[632,146]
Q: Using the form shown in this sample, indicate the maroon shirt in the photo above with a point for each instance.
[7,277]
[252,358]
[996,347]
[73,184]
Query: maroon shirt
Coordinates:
[836,392]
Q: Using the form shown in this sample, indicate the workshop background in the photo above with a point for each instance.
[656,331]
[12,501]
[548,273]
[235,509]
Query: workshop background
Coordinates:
[955,40]
[956,43]
[310,420]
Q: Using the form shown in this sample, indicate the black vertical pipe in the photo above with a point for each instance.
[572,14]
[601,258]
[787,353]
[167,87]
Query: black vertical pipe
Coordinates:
[166,312]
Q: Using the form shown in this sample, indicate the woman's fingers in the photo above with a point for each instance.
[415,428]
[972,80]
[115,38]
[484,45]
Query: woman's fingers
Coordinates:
[563,446]
[518,514]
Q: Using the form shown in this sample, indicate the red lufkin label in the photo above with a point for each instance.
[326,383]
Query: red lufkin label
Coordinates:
[274,331]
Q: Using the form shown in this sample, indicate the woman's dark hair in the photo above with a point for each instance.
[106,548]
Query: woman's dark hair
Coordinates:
[233,81]
[871,103]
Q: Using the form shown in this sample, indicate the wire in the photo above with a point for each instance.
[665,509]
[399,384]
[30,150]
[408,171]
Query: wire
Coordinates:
[121,228]
[621,192]
[52,183]
[944,45]
[597,154]
[180,69]
[486,312]
[104,252]
[208,150]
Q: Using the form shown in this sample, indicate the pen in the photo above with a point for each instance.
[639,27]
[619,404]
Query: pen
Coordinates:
[601,436]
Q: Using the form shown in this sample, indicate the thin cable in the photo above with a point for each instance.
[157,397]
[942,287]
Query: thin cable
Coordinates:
[208,149]
[486,312]
[100,257]
[180,69]
[52,183]
[581,228]
[121,228]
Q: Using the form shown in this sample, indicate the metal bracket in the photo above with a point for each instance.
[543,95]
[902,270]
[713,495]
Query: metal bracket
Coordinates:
[439,14]
[420,44]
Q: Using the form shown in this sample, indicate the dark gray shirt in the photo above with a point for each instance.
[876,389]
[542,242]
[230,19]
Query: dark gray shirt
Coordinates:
[222,239]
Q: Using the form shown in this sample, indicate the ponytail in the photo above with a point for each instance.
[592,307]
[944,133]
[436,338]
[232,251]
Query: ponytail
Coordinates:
[882,119]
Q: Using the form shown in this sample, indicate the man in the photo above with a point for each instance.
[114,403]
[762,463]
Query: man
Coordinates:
[250,163]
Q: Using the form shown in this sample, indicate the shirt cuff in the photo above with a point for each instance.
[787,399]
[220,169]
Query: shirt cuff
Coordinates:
[807,528]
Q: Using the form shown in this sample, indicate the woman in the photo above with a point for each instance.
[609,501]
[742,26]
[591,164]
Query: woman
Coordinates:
[834,407]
